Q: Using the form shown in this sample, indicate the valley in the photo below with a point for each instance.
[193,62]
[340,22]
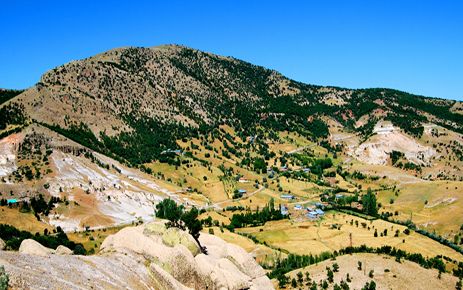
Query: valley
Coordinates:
[279,168]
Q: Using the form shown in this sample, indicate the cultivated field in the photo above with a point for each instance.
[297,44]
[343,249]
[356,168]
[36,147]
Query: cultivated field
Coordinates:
[333,232]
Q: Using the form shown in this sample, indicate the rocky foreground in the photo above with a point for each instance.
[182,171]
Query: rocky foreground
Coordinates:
[143,257]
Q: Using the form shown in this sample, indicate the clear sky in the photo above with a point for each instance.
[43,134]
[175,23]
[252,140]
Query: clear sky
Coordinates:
[415,46]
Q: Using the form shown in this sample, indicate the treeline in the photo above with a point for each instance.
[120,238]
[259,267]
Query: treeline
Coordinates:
[6,95]
[13,238]
[12,114]
[293,261]
[410,225]
[256,218]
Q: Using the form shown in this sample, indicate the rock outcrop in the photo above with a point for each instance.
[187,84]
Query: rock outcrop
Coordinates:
[62,250]
[32,247]
[143,257]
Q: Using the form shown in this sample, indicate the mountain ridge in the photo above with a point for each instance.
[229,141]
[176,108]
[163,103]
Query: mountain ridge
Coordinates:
[181,92]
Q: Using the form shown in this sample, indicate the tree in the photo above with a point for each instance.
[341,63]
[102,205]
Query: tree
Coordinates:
[168,209]
[79,250]
[330,275]
[458,285]
[369,203]
[282,281]
[307,278]
[190,220]
[293,283]
[4,278]
[179,218]
[335,267]
[369,286]
[300,278]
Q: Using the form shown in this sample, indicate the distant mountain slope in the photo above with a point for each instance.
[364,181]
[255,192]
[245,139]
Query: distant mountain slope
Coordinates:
[133,103]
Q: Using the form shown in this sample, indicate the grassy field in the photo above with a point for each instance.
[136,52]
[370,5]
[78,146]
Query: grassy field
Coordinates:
[22,221]
[334,232]
[428,205]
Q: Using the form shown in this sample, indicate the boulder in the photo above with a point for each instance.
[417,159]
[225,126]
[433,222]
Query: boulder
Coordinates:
[175,260]
[164,281]
[183,267]
[222,272]
[174,236]
[32,247]
[238,256]
[62,250]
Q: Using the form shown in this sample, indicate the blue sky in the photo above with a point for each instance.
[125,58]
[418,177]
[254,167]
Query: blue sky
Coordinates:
[415,46]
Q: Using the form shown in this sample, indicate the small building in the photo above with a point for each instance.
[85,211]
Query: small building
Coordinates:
[243,180]
[298,207]
[242,191]
[306,170]
[287,196]
[338,195]
[170,151]
[312,215]
[284,210]
[12,201]
[319,212]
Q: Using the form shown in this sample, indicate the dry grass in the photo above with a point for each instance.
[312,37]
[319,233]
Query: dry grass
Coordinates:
[428,204]
[387,273]
[319,236]
[22,221]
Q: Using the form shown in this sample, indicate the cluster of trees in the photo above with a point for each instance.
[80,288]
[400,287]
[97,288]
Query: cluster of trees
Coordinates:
[13,238]
[316,165]
[12,114]
[39,205]
[180,218]
[256,218]
[369,203]
[5,95]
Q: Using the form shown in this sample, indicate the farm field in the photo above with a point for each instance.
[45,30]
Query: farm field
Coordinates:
[428,205]
[333,233]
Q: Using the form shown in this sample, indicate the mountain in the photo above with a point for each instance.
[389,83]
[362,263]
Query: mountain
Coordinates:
[135,102]
[295,174]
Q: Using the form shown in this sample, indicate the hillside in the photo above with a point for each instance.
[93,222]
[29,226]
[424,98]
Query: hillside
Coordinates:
[136,102]
[295,174]
[385,272]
